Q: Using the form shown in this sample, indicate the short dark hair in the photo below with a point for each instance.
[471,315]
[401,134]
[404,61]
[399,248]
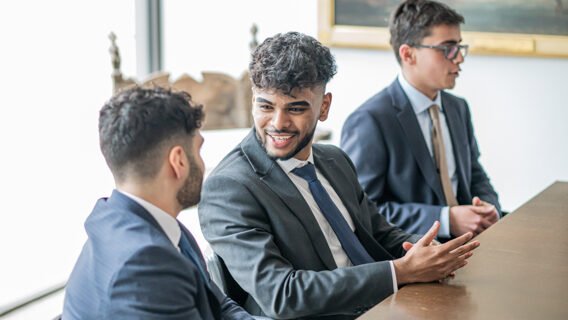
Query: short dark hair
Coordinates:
[137,124]
[413,20]
[291,60]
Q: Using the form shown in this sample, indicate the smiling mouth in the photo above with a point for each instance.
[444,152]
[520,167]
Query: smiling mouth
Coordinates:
[280,139]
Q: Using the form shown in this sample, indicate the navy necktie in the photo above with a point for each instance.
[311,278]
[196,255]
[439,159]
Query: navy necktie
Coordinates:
[188,252]
[351,245]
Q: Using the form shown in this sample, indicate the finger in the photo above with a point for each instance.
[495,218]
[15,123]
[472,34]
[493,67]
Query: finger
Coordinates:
[460,262]
[476,201]
[483,210]
[463,250]
[494,217]
[430,235]
[407,246]
[479,228]
[460,265]
[486,223]
[454,243]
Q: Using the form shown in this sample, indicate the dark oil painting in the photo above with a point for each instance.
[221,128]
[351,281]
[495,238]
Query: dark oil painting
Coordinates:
[542,17]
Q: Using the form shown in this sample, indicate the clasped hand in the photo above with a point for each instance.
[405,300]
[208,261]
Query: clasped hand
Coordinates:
[474,218]
[426,261]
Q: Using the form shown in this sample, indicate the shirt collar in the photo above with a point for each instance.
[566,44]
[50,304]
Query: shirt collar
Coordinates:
[167,222]
[418,100]
[293,163]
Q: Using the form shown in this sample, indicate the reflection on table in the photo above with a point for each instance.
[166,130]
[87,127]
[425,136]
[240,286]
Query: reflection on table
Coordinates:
[520,271]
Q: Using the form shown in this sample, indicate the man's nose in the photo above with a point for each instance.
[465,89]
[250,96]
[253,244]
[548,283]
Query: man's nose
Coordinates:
[459,58]
[280,119]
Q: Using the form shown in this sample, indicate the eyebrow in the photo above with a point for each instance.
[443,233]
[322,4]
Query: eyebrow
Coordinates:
[291,104]
[450,42]
[259,99]
[303,103]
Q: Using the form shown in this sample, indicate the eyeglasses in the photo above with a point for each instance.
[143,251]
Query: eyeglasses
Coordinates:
[450,52]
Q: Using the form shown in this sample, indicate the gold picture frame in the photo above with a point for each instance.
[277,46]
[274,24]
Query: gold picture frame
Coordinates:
[517,44]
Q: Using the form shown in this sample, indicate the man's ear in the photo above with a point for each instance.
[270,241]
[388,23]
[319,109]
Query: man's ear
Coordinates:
[253,90]
[178,162]
[326,104]
[407,54]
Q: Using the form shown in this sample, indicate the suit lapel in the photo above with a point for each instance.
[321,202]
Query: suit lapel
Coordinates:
[274,178]
[456,135]
[415,138]
[328,167]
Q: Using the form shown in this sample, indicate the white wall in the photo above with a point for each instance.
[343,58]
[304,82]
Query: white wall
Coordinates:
[55,77]
[518,104]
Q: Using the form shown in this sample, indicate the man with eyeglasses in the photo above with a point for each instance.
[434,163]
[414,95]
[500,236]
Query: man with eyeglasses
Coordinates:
[413,143]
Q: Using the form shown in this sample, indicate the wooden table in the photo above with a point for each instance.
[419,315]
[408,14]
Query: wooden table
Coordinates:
[520,271]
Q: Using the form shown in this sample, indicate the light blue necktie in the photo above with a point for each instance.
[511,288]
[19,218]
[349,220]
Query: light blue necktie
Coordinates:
[351,245]
[188,252]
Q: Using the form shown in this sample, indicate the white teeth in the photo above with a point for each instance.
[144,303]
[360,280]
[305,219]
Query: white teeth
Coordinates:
[281,138]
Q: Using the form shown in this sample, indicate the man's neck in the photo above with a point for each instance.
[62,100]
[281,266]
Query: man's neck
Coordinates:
[149,193]
[409,77]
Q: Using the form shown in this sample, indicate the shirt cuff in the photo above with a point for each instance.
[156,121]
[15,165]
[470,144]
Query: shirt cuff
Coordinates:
[444,231]
[394,285]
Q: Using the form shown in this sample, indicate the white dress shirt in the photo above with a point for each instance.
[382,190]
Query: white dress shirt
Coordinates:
[167,222]
[420,103]
[339,255]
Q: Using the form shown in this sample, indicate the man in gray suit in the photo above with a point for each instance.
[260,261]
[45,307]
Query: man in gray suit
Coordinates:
[413,143]
[289,219]
[139,262]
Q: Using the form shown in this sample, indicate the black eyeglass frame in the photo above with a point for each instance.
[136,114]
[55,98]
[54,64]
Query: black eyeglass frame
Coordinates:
[446,49]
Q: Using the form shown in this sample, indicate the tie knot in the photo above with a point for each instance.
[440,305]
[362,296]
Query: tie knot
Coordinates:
[307,172]
[433,110]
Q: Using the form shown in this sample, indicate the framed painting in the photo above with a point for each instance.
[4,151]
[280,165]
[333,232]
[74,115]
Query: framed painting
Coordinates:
[502,27]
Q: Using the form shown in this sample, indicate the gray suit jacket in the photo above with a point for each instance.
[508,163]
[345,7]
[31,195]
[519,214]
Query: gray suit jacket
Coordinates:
[384,140]
[259,224]
[129,269]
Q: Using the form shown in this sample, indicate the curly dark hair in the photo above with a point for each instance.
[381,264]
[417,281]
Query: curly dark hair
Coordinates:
[413,20]
[291,60]
[136,125]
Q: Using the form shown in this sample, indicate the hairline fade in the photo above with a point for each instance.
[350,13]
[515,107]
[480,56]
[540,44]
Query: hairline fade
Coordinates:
[138,124]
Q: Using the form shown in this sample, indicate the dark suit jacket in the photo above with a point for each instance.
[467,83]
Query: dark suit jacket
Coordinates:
[384,140]
[258,222]
[129,269]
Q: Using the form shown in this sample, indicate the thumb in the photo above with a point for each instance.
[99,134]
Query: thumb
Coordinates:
[476,201]
[407,246]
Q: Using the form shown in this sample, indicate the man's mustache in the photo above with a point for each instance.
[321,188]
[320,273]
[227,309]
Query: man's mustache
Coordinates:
[273,131]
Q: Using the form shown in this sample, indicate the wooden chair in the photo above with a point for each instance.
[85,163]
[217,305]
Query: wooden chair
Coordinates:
[227,101]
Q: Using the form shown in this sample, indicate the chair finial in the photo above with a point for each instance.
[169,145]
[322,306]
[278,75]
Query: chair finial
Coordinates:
[254,43]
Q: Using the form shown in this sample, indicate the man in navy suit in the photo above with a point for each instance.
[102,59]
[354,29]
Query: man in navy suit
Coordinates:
[139,262]
[413,143]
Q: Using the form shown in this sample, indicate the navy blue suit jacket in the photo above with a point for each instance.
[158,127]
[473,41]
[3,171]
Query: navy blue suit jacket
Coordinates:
[129,269]
[384,140]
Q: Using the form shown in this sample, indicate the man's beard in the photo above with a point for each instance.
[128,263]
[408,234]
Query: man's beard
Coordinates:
[190,193]
[301,145]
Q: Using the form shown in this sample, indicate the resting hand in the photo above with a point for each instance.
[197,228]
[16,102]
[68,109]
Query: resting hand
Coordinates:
[472,218]
[425,261]
[491,211]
